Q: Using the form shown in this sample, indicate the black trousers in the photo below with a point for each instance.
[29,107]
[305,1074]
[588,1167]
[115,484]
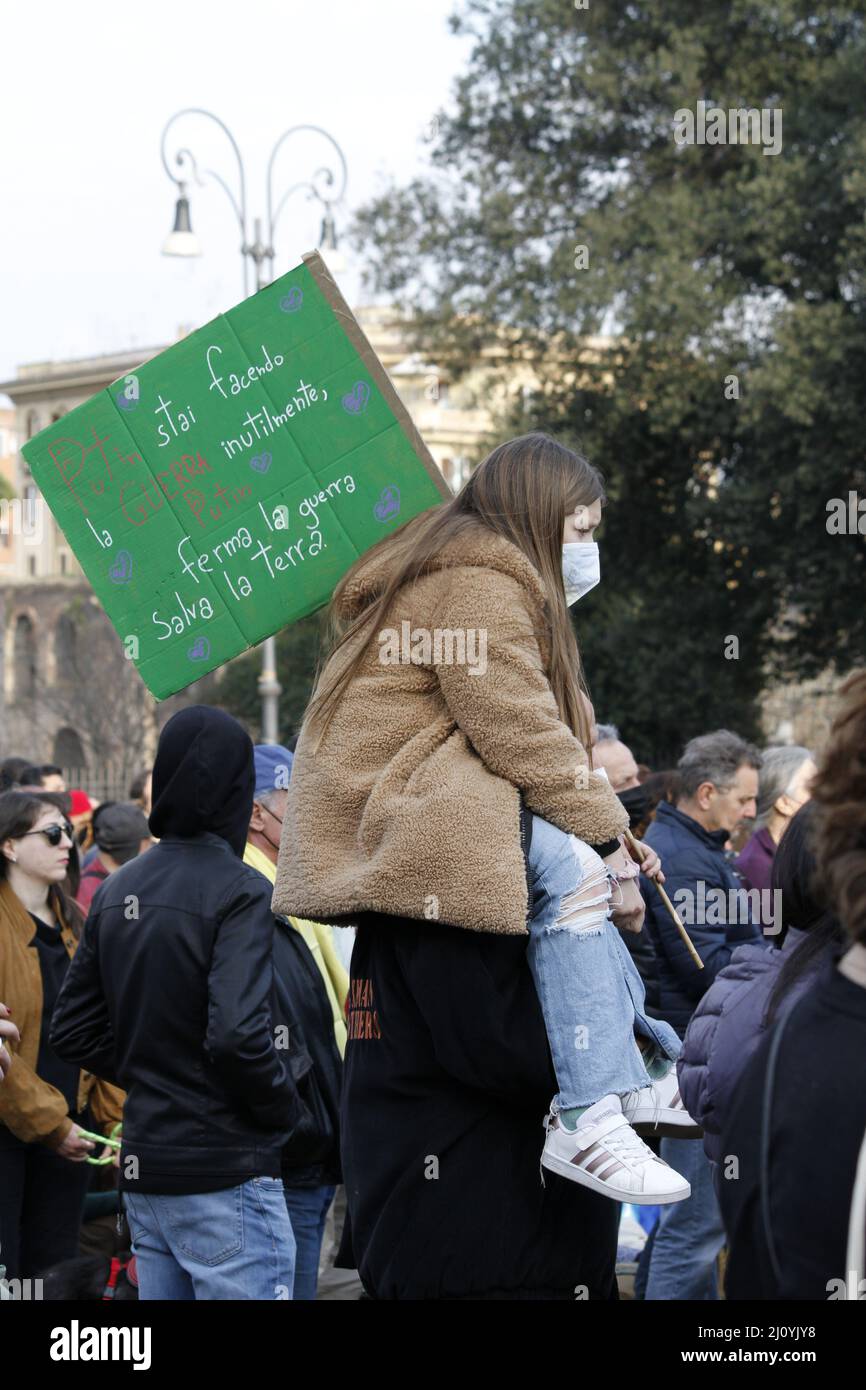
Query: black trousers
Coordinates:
[41,1203]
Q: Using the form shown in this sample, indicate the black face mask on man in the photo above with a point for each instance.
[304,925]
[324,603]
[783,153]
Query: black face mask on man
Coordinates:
[636,802]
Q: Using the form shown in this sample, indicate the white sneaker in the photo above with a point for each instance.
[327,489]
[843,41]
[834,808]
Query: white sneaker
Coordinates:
[658,1110]
[606,1155]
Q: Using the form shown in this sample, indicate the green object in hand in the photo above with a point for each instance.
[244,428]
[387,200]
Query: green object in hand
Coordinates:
[112,1141]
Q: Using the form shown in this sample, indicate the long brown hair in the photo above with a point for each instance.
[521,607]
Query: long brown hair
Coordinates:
[19,812]
[840,791]
[523,490]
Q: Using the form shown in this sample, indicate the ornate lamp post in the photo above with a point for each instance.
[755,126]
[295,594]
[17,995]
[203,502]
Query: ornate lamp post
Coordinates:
[324,185]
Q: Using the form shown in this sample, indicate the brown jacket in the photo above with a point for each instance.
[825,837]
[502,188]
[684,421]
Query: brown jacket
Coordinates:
[411,806]
[32,1109]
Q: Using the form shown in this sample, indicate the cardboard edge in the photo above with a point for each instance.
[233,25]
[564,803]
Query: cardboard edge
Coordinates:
[356,335]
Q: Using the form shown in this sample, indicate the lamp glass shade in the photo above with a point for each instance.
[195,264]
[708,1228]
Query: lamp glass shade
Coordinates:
[328,243]
[334,258]
[181,240]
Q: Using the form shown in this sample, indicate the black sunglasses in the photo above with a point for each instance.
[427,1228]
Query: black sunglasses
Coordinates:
[53,833]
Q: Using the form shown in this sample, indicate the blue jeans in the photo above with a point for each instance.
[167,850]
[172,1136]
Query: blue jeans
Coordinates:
[308,1209]
[591,994]
[690,1234]
[237,1243]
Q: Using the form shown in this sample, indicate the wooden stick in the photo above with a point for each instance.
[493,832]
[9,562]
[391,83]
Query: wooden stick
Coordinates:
[638,853]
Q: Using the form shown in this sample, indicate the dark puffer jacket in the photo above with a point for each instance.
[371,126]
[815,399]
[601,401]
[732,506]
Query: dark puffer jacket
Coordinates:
[725,1031]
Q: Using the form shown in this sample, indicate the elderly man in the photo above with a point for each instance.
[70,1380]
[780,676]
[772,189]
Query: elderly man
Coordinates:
[273,765]
[719,784]
[609,752]
[311,989]
[616,759]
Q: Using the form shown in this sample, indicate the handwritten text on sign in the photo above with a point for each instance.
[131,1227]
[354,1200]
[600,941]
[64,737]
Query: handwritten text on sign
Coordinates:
[218,493]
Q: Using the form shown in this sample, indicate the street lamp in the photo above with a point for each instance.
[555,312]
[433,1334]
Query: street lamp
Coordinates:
[182,241]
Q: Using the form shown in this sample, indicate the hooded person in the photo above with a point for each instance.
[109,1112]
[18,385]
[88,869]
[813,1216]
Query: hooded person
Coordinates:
[172,994]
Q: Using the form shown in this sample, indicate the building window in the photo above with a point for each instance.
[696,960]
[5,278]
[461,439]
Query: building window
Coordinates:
[32,423]
[24,658]
[63,559]
[65,646]
[31,564]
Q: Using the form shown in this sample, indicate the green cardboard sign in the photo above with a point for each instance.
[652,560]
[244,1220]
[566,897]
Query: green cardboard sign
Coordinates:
[218,493]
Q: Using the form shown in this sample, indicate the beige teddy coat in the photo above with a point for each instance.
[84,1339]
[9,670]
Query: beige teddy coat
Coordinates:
[411,806]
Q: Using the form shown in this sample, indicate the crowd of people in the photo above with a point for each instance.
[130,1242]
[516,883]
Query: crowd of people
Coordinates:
[212,837]
[579,991]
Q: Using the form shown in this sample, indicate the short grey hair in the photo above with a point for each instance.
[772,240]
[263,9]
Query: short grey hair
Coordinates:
[779,767]
[607,733]
[714,758]
[268,799]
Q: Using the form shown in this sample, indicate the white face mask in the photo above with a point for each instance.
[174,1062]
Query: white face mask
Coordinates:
[581,568]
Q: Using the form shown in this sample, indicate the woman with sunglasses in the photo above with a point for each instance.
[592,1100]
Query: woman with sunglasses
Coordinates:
[45,1103]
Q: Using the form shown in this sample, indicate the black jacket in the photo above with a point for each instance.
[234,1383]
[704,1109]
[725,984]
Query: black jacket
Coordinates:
[312,1157]
[447,1079]
[818,1117]
[171,992]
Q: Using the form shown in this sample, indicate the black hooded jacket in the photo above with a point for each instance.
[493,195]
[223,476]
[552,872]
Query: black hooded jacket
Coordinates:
[447,1079]
[171,991]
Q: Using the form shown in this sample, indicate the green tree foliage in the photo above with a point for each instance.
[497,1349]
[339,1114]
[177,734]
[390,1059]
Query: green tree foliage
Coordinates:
[705,262]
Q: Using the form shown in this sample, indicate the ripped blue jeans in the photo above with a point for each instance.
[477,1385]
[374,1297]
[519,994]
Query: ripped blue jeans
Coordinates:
[591,994]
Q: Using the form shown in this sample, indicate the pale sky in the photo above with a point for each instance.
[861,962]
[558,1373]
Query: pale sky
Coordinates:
[86,204]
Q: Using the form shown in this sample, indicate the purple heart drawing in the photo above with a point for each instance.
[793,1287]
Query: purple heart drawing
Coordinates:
[124,402]
[388,504]
[121,570]
[200,649]
[357,400]
[291,302]
[261,463]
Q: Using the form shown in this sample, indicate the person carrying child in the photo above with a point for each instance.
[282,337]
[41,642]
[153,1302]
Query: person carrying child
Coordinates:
[452,704]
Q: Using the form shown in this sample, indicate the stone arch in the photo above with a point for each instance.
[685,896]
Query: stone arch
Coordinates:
[68,749]
[24,665]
